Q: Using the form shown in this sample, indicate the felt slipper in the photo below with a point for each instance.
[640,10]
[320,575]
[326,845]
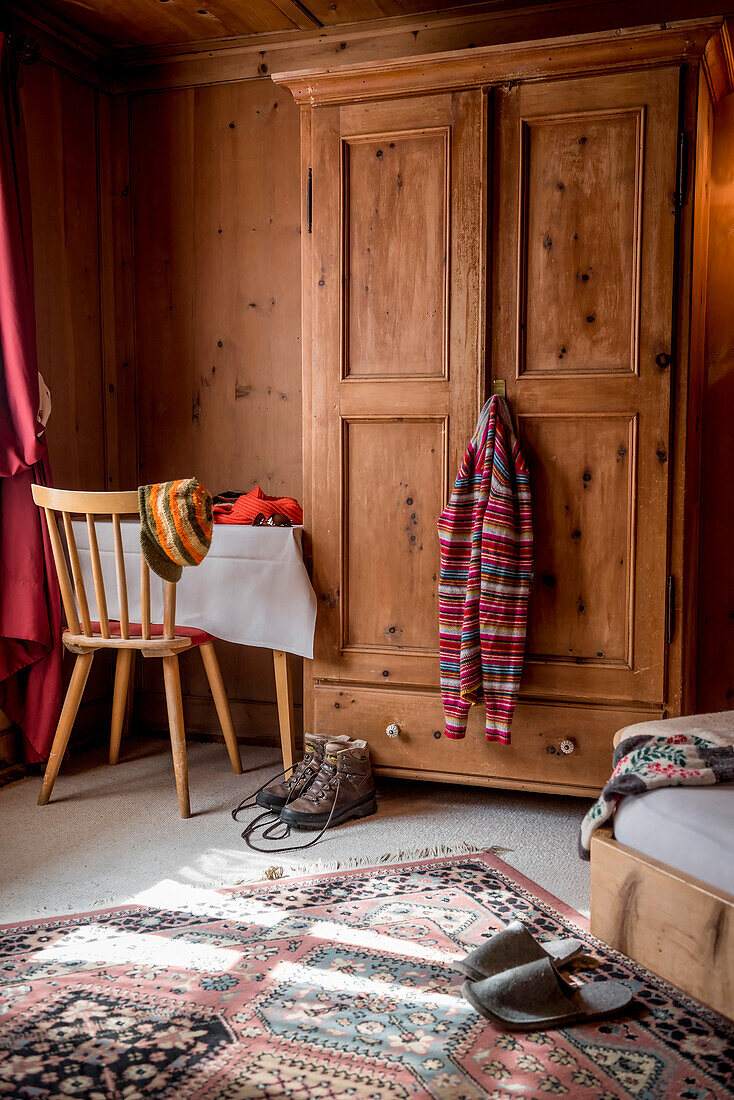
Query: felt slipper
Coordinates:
[513,946]
[535,996]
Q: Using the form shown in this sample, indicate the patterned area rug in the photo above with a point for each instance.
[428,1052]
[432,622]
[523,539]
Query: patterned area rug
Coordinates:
[333,986]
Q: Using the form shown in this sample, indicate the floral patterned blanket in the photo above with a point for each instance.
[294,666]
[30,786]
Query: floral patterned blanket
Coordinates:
[678,752]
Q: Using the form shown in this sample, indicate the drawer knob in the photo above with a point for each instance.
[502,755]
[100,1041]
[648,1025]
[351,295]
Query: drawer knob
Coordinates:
[568,746]
[393,730]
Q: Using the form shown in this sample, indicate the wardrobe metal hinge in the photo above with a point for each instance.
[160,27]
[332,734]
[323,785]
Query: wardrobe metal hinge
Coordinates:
[681,178]
[309,201]
[670,610]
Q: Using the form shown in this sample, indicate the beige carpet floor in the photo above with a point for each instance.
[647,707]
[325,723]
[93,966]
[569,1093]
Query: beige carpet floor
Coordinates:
[113,835]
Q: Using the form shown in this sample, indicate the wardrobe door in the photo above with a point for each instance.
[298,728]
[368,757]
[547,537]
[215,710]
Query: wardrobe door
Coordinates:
[397,304]
[582,336]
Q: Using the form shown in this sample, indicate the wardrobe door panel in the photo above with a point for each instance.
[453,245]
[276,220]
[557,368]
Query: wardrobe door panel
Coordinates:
[401,505]
[582,335]
[396,225]
[582,470]
[582,180]
[396,367]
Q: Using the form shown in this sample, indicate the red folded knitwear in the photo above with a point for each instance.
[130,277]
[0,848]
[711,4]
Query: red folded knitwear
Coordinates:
[249,505]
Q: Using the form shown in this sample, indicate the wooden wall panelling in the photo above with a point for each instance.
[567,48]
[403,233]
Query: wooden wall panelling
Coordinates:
[11,766]
[60,114]
[216,198]
[246,672]
[116,277]
[586,172]
[216,208]
[715,681]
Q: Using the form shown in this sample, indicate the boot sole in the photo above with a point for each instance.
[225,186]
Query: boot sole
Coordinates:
[366,806]
[276,803]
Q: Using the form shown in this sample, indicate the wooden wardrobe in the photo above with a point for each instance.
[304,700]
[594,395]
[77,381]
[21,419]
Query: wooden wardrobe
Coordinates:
[527,220]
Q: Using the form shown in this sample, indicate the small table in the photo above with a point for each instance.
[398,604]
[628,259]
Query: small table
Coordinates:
[252,588]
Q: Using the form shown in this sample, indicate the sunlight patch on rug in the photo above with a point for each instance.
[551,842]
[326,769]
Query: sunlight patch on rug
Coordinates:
[113,947]
[358,937]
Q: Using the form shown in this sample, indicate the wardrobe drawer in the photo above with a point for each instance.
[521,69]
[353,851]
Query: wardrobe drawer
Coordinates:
[534,760]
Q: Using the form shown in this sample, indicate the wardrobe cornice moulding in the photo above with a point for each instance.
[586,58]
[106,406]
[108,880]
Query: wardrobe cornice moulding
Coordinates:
[645,46]
[638,47]
[718,63]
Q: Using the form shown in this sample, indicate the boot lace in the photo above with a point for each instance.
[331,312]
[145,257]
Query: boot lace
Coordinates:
[303,771]
[299,778]
[325,782]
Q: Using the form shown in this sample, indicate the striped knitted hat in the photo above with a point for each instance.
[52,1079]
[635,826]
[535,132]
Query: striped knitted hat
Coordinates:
[175,525]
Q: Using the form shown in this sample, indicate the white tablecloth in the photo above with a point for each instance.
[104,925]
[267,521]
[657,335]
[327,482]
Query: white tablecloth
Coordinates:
[251,588]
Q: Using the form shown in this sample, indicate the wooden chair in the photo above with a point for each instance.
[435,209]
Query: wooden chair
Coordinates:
[84,636]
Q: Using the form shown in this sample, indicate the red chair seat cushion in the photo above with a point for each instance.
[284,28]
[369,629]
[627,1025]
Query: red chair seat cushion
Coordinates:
[198,637]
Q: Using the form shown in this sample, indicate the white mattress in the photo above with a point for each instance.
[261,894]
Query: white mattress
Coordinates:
[689,828]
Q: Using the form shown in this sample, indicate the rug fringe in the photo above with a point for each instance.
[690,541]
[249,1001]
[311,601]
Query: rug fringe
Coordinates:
[433,851]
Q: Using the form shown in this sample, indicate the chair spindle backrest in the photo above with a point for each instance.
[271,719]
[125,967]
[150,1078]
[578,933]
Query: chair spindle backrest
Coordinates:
[76,569]
[74,597]
[144,597]
[121,578]
[99,592]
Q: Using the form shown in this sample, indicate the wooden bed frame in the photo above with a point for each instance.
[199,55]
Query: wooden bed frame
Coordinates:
[677,926]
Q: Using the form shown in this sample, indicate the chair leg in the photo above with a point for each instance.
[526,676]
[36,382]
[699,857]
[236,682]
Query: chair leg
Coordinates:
[177,730]
[66,720]
[284,695]
[123,666]
[219,695]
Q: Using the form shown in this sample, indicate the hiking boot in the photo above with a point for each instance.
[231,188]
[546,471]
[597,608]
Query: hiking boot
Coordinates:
[344,788]
[280,791]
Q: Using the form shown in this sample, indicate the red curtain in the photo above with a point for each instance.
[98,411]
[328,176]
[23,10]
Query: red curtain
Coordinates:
[30,607]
